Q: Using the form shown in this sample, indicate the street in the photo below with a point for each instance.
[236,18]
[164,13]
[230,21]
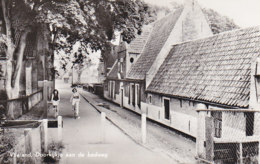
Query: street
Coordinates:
[83,140]
[161,140]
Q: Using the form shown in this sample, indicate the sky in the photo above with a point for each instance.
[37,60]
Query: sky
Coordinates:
[245,13]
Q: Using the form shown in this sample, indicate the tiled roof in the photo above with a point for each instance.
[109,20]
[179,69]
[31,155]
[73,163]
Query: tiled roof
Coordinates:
[215,69]
[159,34]
[114,70]
[137,45]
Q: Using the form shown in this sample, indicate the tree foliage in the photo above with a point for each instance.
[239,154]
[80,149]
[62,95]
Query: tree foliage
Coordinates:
[62,23]
[219,23]
[92,22]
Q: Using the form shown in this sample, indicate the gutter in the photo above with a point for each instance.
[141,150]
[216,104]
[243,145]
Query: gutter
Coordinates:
[201,101]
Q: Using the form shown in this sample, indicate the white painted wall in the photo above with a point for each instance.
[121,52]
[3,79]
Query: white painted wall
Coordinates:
[180,121]
[129,106]
[184,123]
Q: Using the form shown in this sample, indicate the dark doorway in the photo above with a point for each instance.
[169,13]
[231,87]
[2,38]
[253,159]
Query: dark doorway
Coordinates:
[166,109]
[122,97]
[112,89]
[138,96]
[249,123]
[133,95]
[129,93]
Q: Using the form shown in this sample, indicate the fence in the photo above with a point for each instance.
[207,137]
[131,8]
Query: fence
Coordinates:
[23,104]
[246,153]
[32,145]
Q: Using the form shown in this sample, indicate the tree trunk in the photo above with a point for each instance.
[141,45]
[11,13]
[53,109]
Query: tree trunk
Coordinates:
[14,91]
[79,76]
[12,76]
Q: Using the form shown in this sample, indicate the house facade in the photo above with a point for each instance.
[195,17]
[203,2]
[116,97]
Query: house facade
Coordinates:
[208,88]
[137,63]
[116,87]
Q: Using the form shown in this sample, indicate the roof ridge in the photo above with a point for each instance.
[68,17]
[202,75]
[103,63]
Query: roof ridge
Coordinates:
[219,34]
[116,61]
[160,27]
[167,15]
[216,70]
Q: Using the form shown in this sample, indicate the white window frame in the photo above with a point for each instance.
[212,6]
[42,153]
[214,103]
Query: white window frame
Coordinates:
[121,67]
[114,90]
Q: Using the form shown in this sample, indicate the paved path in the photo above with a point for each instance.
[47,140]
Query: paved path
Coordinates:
[159,139]
[83,136]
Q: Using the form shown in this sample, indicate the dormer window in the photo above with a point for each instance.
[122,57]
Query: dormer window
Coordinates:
[131,60]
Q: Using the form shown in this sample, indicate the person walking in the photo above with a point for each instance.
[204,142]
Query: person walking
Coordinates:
[55,98]
[75,99]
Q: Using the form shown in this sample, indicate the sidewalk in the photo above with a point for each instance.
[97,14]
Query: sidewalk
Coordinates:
[159,139]
[83,136]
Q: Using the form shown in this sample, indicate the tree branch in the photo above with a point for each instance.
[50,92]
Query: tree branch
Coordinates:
[20,55]
[10,45]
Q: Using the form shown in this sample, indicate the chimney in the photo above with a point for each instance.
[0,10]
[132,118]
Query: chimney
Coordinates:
[190,4]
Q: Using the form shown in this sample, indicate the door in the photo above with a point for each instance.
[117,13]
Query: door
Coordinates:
[249,123]
[138,96]
[122,97]
[166,109]
[133,95]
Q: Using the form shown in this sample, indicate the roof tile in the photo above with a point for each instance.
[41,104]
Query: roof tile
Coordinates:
[158,36]
[215,69]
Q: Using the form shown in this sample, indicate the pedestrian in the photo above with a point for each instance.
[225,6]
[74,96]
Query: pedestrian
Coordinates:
[2,112]
[55,98]
[75,99]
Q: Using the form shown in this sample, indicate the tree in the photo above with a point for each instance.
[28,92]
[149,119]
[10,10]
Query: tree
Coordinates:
[219,23]
[17,26]
[90,22]
[80,63]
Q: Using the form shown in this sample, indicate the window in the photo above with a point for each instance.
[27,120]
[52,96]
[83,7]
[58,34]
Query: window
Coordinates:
[150,99]
[121,67]
[217,116]
[138,95]
[129,94]
[131,60]
[133,94]
[194,104]
[249,123]
[112,89]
